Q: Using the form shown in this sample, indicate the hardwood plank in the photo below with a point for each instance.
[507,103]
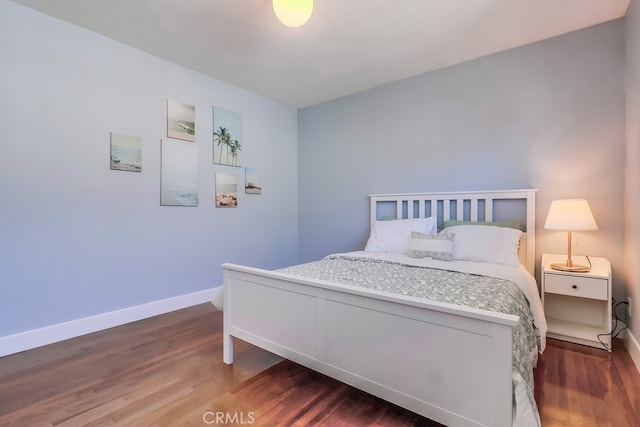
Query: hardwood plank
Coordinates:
[584,386]
[168,371]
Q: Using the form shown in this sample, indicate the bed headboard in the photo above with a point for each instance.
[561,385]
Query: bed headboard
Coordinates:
[466,206]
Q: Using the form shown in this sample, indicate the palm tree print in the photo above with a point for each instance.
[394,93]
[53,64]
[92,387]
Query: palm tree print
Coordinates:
[227,135]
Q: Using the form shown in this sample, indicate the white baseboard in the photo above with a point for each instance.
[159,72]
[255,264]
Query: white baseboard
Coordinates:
[22,341]
[633,347]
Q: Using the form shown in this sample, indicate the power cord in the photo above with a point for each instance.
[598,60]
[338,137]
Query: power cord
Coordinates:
[616,319]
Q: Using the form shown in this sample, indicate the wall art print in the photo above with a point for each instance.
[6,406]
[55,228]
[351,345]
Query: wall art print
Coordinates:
[226,190]
[179,173]
[227,137]
[181,120]
[126,152]
[252,181]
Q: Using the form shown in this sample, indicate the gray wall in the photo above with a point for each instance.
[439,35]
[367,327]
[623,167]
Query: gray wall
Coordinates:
[548,115]
[77,239]
[632,199]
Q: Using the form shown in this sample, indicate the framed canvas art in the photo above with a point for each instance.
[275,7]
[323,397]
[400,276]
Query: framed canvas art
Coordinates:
[226,190]
[181,120]
[179,174]
[252,181]
[126,152]
[227,137]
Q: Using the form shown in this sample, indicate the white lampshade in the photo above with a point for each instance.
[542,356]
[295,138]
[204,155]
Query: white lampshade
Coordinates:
[293,13]
[570,215]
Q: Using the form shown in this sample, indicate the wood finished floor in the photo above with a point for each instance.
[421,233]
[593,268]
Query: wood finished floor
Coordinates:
[168,371]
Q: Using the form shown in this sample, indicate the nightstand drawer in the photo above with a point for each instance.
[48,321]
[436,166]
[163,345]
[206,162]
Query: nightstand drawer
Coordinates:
[583,287]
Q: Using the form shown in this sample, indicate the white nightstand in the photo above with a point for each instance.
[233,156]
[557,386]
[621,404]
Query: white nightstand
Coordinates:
[578,305]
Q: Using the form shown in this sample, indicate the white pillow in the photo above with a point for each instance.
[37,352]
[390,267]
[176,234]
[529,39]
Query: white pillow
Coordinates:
[485,243]
[438,246]
[394,235]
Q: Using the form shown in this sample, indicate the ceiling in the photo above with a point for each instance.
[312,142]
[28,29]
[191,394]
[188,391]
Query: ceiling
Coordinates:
[346,47]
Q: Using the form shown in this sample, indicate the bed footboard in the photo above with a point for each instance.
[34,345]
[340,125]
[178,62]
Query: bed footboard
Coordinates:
[448,363]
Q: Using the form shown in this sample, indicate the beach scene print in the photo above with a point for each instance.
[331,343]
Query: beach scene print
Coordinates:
[126,152]
[226,190]
[179,174]
[252,182]
[181,120]
[227,137]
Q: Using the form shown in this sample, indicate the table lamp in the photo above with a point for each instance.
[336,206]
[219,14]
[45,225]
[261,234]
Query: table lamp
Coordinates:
[570,215]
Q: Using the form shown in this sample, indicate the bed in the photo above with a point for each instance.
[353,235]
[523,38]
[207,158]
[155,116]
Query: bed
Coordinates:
[452,363]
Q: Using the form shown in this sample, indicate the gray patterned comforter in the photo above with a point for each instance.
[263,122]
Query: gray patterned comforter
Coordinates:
[454,287]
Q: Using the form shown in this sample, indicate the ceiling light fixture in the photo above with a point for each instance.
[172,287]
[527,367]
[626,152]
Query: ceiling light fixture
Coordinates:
[293,13]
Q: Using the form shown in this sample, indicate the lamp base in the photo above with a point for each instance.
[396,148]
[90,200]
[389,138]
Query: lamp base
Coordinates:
[575,268]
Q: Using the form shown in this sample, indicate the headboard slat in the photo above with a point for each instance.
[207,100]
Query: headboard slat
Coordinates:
[474,209]
[446,209]
[459,209]
[488,209]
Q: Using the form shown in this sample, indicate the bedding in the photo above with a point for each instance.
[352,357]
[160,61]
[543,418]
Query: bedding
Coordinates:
[496,287]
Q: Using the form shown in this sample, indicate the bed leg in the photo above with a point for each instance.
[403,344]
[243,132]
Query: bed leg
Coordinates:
[227,339]
[227,349]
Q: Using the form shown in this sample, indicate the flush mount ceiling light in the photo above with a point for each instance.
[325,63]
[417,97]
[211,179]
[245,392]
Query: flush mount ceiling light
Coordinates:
[293,13]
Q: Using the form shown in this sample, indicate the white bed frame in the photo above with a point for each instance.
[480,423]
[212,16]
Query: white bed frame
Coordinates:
[449,363]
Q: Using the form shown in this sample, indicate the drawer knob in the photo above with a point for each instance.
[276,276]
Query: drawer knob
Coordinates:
[574,286]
